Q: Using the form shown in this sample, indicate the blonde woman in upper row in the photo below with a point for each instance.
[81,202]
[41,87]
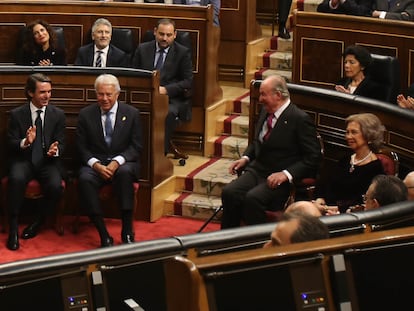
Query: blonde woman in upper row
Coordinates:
[352,175]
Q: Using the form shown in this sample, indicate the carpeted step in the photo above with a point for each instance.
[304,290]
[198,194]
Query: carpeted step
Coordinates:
[232,125]
[195,206]
[276,60]
[203,187]
[226,146]
[241,105]
[306,5]
[281,45]
[210,178]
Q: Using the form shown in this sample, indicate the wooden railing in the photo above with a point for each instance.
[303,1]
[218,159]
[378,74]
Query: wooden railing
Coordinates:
[317,275]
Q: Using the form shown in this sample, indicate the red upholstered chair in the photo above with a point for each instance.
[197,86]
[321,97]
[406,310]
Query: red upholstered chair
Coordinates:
[390,161]
[34,192]
[105,195]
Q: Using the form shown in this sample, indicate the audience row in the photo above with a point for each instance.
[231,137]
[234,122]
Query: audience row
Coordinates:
[285,150]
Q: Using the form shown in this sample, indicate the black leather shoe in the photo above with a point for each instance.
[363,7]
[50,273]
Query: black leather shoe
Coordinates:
[13,241]
[128,238]
[177,153]
[31,231]
[109,241]
[283,33]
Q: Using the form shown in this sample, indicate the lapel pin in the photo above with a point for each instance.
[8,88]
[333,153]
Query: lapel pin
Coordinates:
[123,118]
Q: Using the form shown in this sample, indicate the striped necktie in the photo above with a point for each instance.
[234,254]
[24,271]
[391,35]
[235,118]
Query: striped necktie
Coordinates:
[98,62]
[269,124]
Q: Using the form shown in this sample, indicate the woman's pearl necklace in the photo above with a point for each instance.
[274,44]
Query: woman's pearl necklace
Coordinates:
[356,162]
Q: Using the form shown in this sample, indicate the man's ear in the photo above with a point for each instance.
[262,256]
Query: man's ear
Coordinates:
[375,203]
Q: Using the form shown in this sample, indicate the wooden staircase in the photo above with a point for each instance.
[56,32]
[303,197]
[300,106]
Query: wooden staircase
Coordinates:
[196,191]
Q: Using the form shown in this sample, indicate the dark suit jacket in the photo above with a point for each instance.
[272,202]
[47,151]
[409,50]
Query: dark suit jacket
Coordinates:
[53,130]
[292,145]
[116,57]
[126,138]
[176,74]
[367,88]
[350,7]
[400,9]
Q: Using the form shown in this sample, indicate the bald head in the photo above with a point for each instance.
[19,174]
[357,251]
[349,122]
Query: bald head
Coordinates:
[409,182]
[305,207]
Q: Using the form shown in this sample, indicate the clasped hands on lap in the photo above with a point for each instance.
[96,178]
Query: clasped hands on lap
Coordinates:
[106,171]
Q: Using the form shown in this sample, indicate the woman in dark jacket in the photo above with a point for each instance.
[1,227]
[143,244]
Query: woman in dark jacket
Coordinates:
[39,46]
[355,81]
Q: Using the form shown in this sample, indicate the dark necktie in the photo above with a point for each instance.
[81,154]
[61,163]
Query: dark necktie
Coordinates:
[98,62]
[37,147]
[269,124]
[160,60]
[108,128]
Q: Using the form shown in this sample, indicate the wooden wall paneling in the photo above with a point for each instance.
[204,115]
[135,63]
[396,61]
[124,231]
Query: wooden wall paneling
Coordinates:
[238,27]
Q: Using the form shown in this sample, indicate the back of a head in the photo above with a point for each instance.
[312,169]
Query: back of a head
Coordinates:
[305,207]
[310,228]
[389,189]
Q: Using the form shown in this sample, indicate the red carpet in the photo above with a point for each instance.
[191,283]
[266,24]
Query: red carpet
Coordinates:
[48,242]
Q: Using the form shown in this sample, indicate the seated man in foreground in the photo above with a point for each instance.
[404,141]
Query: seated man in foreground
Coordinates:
[109,141]
[285,149]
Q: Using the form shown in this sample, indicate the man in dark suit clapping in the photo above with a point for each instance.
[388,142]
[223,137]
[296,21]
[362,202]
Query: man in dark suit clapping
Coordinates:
[36,135]
[100,53]
[173,60]
[285,149]
[109,141]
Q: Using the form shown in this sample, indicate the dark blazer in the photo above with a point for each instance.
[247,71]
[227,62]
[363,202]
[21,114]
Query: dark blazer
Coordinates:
[176,74]
[126,138]
[292,145]
[350,7]
[115,58]
[57,56]
[400,9]
[367,88]
[53,130]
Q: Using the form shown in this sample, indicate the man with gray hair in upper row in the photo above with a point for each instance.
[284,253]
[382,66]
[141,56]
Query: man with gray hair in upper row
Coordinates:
[100,52]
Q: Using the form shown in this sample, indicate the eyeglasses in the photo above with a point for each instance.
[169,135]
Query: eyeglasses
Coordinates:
[365,198]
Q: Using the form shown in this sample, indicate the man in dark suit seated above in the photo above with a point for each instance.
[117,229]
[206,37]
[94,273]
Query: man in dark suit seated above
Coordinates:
[100,53]
[109,140]
[394,9]
[285,149]
[173,60]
